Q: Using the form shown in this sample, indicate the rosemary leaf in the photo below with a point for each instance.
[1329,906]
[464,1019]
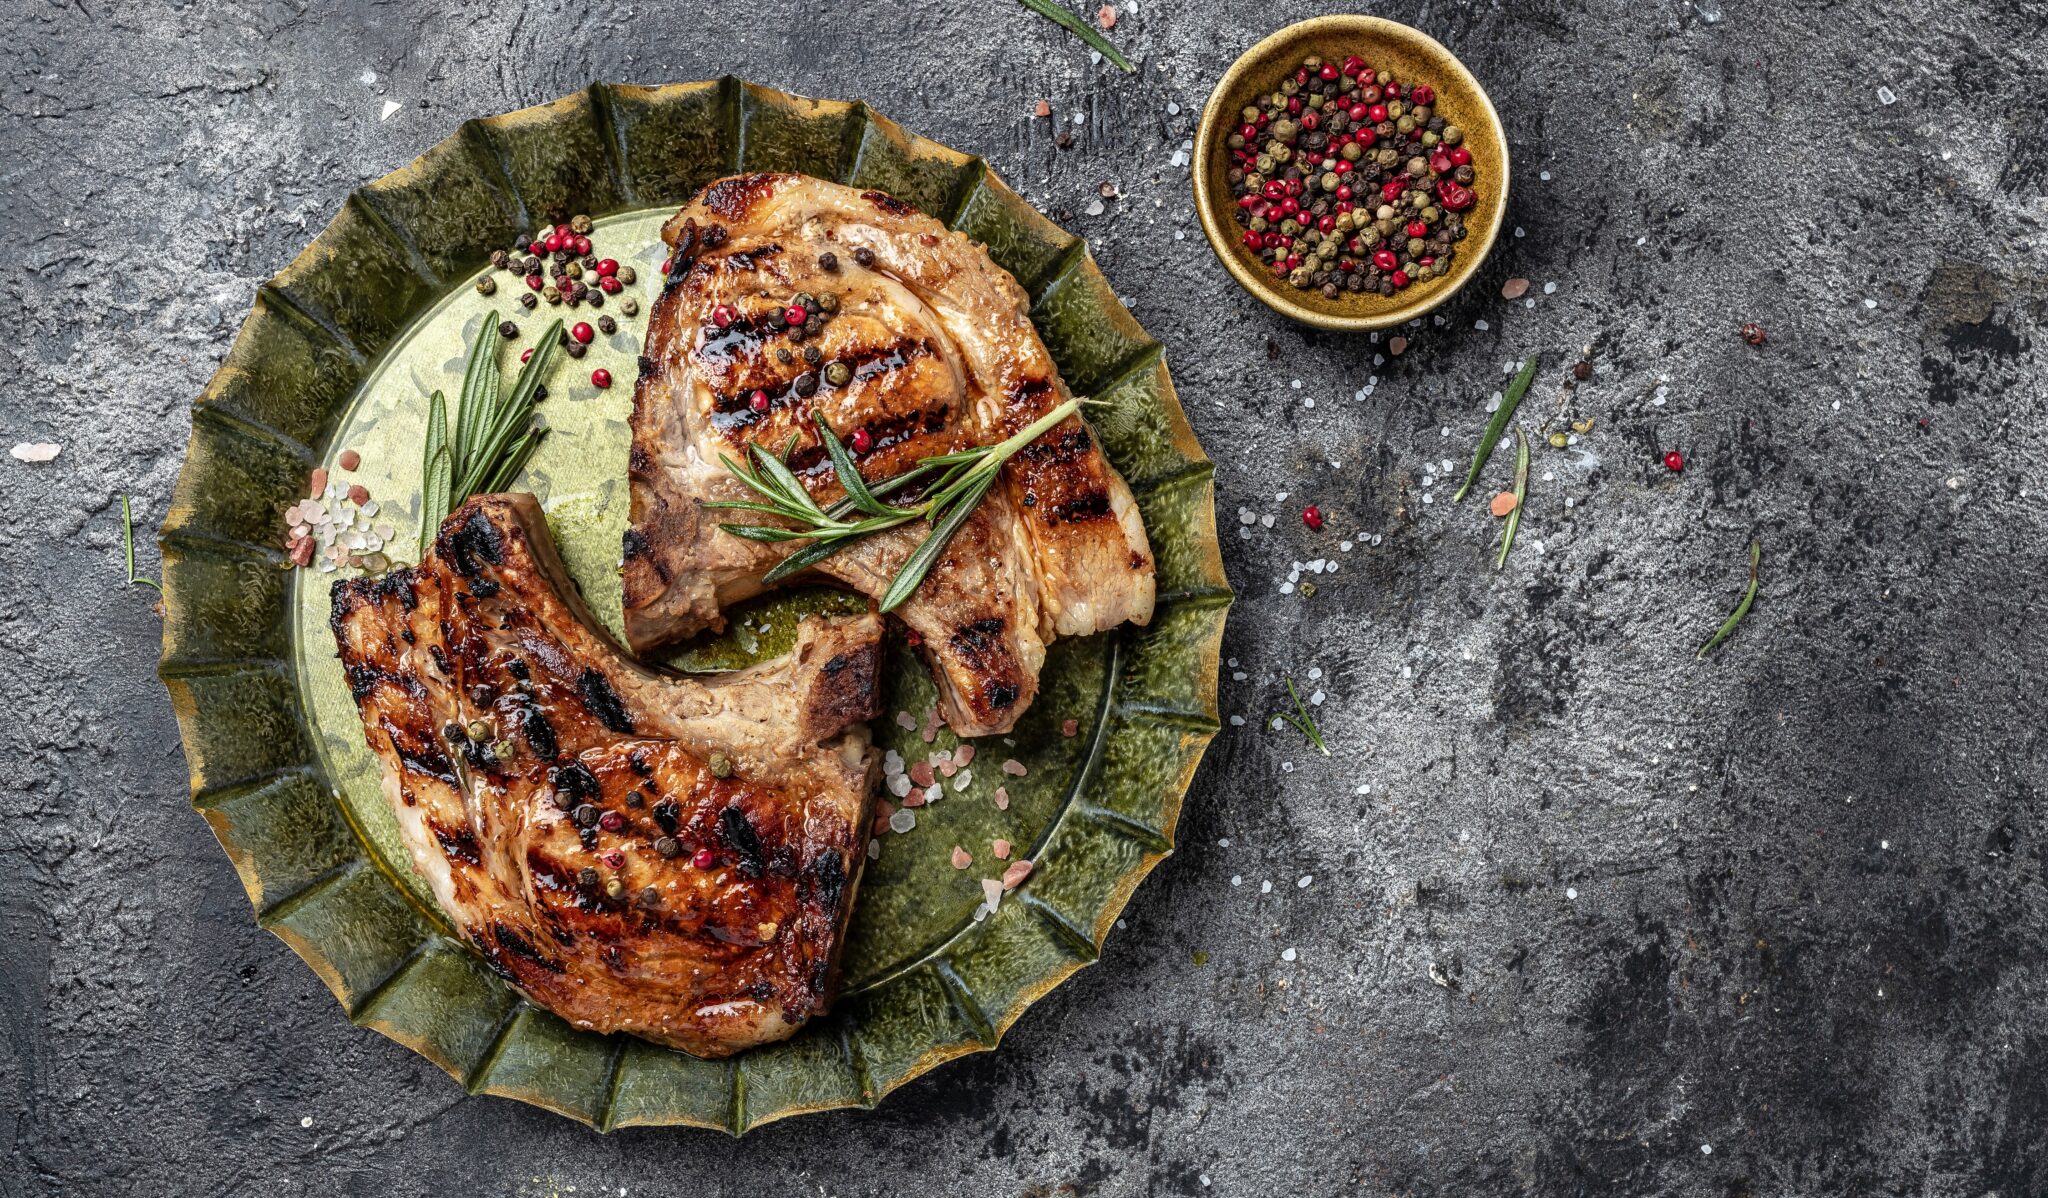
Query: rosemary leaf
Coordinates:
[1051,10]
[1302,721]
[793,492]
[436,472]
[1741,609]
[803,559]
[920,563]
[1509,401]
[479,392]
[128,547]
[765,532]
[849,473]
[1507,536]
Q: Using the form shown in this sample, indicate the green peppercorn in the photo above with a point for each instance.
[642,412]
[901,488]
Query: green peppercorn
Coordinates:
[1313,62]
[1430,140]
[1453,135]
[615,887]
[581,224]
[486,285]
[1288,88]
[1264,166]
[626,274]
[1432,214]
[1282,153]
[1559,440]
[630,306]
[1415,247]
[1235,141]
[1286,130]
[1250,115]
[838,374]
[721,765]
[1421,113]
[828,303]
[1405,124]
[1352,151]
[574,270]
[1300,276]
[1290,227]
[478,729]
[1330,180]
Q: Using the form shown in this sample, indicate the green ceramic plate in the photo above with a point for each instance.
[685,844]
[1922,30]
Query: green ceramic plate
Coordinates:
[339,353]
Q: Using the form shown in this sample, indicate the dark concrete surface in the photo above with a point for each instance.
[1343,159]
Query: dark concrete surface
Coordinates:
[1608,920]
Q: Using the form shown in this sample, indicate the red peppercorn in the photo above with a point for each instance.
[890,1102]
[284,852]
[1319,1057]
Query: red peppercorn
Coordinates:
[1252,240]
[1294,106]
[611,821]
[553,243]
[704,859]
[1329,70]
[565,230]
[609,285]
[1440,162]
[582,246]
[1326,224]
[601,379]
[535,282]
[863,440]
[1343,167]
[1399,278]
[794,314]
[582,332]
[607,266]
[758,400]
[1417,228]
[1422,93]
[1385,259]
[1357,112]
[1376,113]
[1674,461]
[1455,196]
[1247,131]
[723,315]
[537,248]
[1312,516]
[612,858]
[1274,189]
[1344,206]
[1367,138]
[1310,121]
[1460,156]
[1391,190]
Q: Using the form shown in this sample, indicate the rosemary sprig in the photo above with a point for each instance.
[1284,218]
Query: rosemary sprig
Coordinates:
[1051,10]
[1741,609]
[128,548]
[1510,399]
[963,478]
[1302,721]
[494,433]
[1507,536]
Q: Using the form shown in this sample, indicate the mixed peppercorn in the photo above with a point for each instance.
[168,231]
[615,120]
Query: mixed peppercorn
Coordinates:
[1347,180]
[559,265]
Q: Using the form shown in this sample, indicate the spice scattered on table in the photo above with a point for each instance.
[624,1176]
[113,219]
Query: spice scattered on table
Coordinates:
[349,459]
[128,549]
[1514,289]
[1504,503]
[1348,181]
[1043,108]
[1674,461]
[1754,333]
[1520,496]
[1312,516]
[1497,424]
[1741,609]
[1052,11]
[35,451]
[1106,16]
[1301,720]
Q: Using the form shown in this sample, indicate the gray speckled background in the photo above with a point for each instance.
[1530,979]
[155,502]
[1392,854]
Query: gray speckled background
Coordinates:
[1606,921]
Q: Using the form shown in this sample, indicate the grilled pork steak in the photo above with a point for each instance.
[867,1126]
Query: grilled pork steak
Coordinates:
[913,343]
[668,856]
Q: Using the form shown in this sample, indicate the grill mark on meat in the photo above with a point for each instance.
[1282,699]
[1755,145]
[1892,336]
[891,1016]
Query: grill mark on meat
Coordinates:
[825,881]
[504,940]
[420,754]
[737,834]
[648,368]
[473,545]
[457,844]
[603,701]
[888,203]
[540,734]
[575,781]
[734,197]
[1080,510]
[981,645]
[848,692]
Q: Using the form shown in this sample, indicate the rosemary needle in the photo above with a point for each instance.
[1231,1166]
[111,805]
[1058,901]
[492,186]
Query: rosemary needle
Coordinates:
[1509,401]
[128,548]
[1741,609]
[1507,536]
[1302,721]
[1051,10]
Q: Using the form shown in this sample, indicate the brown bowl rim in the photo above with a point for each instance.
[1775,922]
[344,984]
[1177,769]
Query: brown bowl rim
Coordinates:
[1222,235]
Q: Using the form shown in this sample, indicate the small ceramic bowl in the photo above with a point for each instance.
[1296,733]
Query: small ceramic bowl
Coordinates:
[1388,46]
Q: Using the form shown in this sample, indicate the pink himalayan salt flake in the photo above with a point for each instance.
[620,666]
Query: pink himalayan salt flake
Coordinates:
[302,551]
[906,721]
[1514,288]
[914,799]
[1002,798]
[1014,876]
[36,451]
[1070,728]
[1397,346]
[1106,16]
[921,773]
[349,459]
[1043,108]
[991,893]
[963,755]
[961,858]
[948,769]
[1014,768]
[1001,848]
[930,733]
[318,482]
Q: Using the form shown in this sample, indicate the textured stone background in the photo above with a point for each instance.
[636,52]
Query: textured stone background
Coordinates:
[1607,921]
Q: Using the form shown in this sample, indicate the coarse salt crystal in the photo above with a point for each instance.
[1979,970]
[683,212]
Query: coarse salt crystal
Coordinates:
[906,721]
[902,821]
[1287,955]
[961,858]
[965,780]
[992,892]
[914,799]
[1001,848]
[1014,876]
[963,755]
[1014,767]
[1002,798]
[1265,888]
[1070,728]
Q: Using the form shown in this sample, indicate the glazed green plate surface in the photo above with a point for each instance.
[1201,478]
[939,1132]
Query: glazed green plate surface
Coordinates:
[341,351]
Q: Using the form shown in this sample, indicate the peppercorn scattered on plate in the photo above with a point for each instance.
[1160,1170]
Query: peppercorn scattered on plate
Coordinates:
[331,374]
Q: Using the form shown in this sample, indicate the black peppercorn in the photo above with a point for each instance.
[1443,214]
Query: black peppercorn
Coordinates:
[607,325]
[813,355]
[864,256]
[499,258]
[508,330]
[669,847]
[529,301]
[576,349]
[588,877]
[1582,370]
[585,815]
[828,262]
[806,384]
